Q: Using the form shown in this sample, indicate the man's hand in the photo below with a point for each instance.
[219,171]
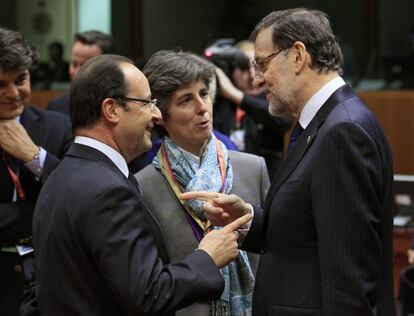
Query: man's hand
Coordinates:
[221,244]
[410,254]
[15,140]
[221,209]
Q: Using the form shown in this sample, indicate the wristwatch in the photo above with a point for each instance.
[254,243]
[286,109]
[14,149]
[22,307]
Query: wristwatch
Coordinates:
[36,155]
[34,164]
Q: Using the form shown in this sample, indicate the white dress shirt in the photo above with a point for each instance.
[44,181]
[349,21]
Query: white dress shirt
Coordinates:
[111,153]
[317,100]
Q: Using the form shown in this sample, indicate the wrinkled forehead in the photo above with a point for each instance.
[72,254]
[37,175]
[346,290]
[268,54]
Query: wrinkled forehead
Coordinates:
[136,82]
[85,51]
[263,45]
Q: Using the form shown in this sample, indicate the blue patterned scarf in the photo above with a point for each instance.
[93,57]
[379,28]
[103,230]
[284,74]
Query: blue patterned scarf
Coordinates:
[206,176]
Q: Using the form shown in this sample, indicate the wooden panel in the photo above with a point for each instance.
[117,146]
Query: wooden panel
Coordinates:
[395,111]
[40,98]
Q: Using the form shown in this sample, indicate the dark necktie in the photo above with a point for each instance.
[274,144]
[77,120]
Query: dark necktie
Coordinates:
[295,135]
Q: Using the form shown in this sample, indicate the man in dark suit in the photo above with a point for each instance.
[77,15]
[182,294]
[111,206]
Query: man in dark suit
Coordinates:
[32,143]
[325,233]
[86,46]
[98,249]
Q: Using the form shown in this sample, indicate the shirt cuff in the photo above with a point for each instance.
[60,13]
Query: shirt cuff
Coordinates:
[245,229]
[36,165]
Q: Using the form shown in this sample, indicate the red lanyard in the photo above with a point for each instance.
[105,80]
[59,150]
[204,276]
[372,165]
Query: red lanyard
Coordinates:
[223,171]
[15,178]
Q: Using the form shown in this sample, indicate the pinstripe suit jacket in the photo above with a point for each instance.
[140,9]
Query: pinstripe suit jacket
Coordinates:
[326,230]
[250,182]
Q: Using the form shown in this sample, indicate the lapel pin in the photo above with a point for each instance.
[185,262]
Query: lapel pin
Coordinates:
[308,140]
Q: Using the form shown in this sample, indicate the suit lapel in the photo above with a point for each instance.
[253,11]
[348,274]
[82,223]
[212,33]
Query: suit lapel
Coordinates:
[30,121]
[90,153]
[305,141]
[6,184]
[34,127]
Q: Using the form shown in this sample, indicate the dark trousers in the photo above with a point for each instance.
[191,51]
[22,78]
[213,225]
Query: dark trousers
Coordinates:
[407,291]
[14,273]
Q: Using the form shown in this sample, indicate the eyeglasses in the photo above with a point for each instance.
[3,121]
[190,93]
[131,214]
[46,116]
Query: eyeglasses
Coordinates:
[260,67]
[151,103]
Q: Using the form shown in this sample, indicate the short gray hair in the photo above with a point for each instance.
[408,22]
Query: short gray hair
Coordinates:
[309,26]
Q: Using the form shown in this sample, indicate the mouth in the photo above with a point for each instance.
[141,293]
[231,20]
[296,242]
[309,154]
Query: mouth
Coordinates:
[203,124]
[150,127]
[13,103]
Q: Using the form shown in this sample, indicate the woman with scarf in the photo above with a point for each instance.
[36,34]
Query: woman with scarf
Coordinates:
[191,158]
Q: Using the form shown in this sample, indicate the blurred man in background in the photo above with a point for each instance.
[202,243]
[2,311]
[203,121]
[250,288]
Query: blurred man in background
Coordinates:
[86,46]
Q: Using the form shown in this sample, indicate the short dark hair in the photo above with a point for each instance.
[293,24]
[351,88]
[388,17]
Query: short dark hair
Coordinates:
[104,41]
[57,46]
[168,70]
[99,78]
[16,53]
[309,26]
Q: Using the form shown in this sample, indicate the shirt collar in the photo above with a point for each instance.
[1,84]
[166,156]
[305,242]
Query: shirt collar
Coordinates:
[318,99]
[111,153]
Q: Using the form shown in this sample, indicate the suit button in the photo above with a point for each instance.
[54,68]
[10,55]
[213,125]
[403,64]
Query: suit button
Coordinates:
[18,268]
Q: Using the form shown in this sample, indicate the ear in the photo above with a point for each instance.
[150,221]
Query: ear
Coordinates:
[110,110]
[301,56]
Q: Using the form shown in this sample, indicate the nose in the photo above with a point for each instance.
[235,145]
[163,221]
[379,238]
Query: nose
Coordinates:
[258,81]
[156,115]
[201,104]
[12,91]
[252,71]
[73,70]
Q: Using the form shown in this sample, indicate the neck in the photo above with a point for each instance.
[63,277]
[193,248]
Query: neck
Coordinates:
[196,149]
[100,134]
[312,84]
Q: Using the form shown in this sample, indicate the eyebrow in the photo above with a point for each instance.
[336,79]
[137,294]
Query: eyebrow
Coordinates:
[22,75]
[188,94]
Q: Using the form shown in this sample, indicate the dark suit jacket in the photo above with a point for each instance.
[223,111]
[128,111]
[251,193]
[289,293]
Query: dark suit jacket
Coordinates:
[100,251]
[59,104]
[52,132]
[326,230]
